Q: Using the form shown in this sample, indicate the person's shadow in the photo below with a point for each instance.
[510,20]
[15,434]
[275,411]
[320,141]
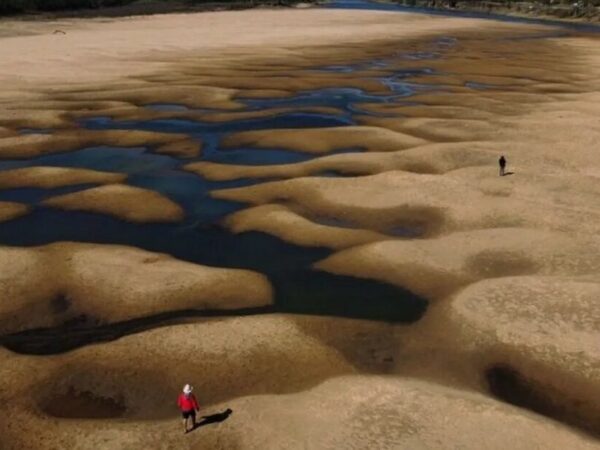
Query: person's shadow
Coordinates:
[214,418]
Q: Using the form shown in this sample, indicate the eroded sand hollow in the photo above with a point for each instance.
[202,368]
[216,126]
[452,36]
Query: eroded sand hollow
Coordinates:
[403,191]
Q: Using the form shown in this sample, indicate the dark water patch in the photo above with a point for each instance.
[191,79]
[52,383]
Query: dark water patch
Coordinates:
[257,156]
[509,385]
[102,158]
[191,192]
[312,292]
[253,156]
[341,98]
[286,120]
[298,288]
[32,195]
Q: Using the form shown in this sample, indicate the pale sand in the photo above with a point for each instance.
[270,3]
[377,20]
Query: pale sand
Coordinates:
[52,177]
[280,221]
[92,51]
[325,140]
[129,203]
[438,267]
[273,406]
[540,224]
[528,241]
[429,158]
[44,286]
[362,412]
[12,210]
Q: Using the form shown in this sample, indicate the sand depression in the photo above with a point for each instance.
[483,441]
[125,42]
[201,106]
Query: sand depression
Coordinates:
[299,212]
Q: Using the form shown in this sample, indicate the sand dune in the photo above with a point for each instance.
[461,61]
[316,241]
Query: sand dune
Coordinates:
[126,202]
[509,264]
[437,267]
[325,140]
[12,210]
[51,177]
[47,286]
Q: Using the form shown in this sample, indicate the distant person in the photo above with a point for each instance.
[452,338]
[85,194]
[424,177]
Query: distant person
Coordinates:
[502,163]
[188,405]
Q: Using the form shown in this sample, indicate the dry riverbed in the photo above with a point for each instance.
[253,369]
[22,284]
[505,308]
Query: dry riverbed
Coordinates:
[403,192]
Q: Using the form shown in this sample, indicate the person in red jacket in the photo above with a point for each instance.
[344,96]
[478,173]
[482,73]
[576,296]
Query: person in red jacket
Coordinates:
[188,405]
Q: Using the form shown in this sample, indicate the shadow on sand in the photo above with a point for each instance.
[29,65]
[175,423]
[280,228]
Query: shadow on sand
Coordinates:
[214,418]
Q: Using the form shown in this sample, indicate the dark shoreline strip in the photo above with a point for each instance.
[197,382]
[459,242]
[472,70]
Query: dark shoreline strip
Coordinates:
[78,333]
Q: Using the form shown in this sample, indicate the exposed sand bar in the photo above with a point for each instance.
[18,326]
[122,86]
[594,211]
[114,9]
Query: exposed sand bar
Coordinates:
[100,50]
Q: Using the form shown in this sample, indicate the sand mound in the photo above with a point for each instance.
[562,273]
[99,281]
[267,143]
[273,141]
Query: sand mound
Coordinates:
[539,335]
[52,177]
[354,412]
[46,286]
[31,145]
[193,96]
[125,202]
[140,376]
[292,80]
[430,203]
[324,140]
[12,210]
[423,203]
[289,226]
[434,130]
[436,267]
[429,158]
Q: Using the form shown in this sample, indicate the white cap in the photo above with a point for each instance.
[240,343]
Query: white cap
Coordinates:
[187,389]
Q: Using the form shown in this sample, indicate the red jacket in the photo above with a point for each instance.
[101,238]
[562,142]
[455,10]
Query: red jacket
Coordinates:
[187,402]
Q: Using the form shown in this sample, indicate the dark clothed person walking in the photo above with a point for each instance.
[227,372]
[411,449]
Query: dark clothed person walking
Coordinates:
[502,163]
